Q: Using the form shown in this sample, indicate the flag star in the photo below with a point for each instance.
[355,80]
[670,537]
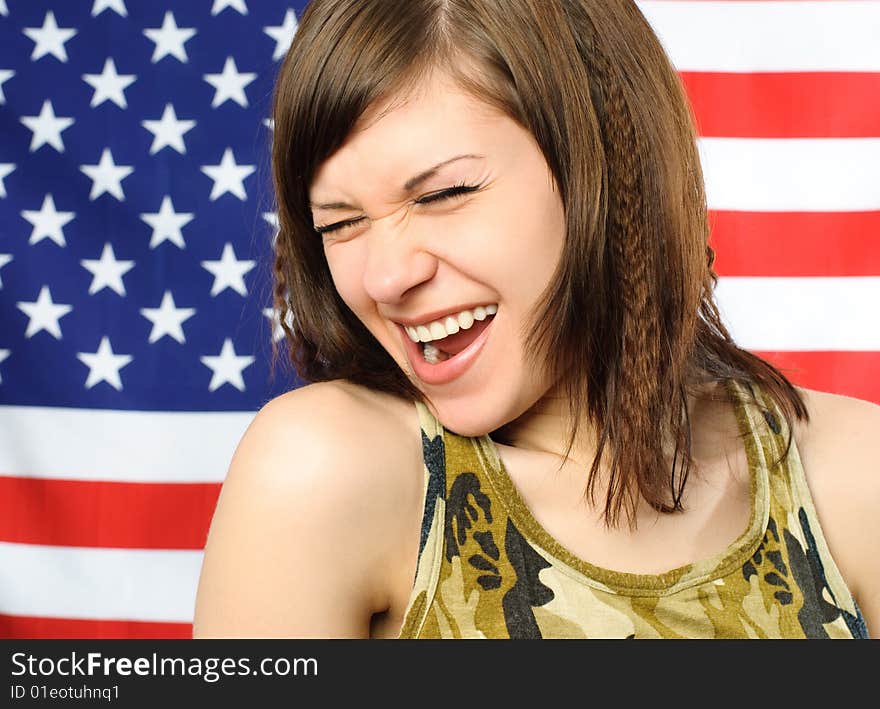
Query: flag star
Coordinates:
[230,84]
[44,314]
[48,223]
[3,354]
[170,39]
[228,176]
[167,319]
[228,272]
[227,367]
[237,5]
[167,224]
[5,169]
[269,123]
[104,365]
[3,9]
[49,38]
[107,176]
[278,332]
[4,259]
[109,85]
[47,127]
[283,34]
[118,6]
[107,272]
[168,131]
[5,75]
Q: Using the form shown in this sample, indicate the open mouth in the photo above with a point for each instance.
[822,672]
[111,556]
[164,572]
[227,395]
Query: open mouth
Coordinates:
[446,348]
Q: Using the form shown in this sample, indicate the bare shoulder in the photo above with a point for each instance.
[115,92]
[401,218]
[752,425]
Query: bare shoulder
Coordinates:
[306,525]
[840,451]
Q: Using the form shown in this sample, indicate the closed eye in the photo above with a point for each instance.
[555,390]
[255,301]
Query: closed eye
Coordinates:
[450,193]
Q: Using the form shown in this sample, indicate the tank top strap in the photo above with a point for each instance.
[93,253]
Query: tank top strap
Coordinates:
[433,517]
[795,525]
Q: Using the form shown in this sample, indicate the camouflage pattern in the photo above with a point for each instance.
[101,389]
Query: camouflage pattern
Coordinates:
[487,569]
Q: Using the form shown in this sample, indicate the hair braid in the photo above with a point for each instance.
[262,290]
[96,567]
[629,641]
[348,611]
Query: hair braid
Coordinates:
[636,389]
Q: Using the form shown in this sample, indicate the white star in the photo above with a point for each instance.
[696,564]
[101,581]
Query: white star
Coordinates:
[106,176]
[228,176]
[167,319]
[48,223]
[118,6]
[47,127]
[167,224]
[107,272]
[4,259]
[5,169]
[230,84]
[170,39]
[277,331]
[168,131]
[44,314]
[227,367]
[3,9]
[49,38]
[228,272]
[104,365]
[269,123]
[109,85]
[283,34]
[237,5]
[5,75]
[3,353]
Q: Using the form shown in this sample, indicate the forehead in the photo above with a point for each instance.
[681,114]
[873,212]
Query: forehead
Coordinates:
[400,136]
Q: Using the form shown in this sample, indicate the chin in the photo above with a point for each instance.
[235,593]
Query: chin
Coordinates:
[464,420]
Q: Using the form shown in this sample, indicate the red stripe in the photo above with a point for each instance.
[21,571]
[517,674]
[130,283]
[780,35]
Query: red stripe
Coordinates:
[12,626]
[848,373]
[785,104]
[796,243]
[106,514]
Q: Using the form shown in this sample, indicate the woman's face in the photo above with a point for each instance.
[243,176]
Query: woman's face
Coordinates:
[403,262]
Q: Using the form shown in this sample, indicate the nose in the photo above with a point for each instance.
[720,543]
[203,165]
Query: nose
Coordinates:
[396,262]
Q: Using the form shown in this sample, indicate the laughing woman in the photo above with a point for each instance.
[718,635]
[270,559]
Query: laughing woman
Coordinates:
[524,416]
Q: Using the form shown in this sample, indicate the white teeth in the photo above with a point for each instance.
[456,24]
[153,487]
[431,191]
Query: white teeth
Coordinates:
[437,331]
[452,324]
[466,319]
[431,354]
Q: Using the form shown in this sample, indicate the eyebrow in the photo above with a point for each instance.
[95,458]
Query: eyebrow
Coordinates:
[408,186]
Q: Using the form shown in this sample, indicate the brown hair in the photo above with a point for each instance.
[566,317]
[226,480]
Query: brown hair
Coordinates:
[631,328]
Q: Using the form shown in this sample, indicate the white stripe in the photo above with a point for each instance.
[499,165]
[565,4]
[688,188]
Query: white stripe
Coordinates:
[808,314]
[792,174]
[99,584]
[129,446]
[768,36]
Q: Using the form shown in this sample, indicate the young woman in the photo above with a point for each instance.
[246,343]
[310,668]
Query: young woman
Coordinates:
[525,416]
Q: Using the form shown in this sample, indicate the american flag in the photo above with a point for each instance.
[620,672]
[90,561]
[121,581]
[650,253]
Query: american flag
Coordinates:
[135,231]
[135,238]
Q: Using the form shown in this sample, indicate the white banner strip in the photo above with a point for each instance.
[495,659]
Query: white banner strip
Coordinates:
[792,174]
[127,446]
[98,584]
[768,36]
[808,314]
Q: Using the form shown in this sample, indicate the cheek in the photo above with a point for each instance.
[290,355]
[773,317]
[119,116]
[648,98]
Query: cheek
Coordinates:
[346,269]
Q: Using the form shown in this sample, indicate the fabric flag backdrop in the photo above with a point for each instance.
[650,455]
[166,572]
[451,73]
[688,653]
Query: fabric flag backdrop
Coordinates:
[135,231]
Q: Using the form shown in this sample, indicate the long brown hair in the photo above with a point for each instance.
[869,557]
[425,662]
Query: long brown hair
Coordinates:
[628,326]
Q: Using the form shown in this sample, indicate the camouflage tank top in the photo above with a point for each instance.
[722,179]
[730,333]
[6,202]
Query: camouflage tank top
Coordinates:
[488,569]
